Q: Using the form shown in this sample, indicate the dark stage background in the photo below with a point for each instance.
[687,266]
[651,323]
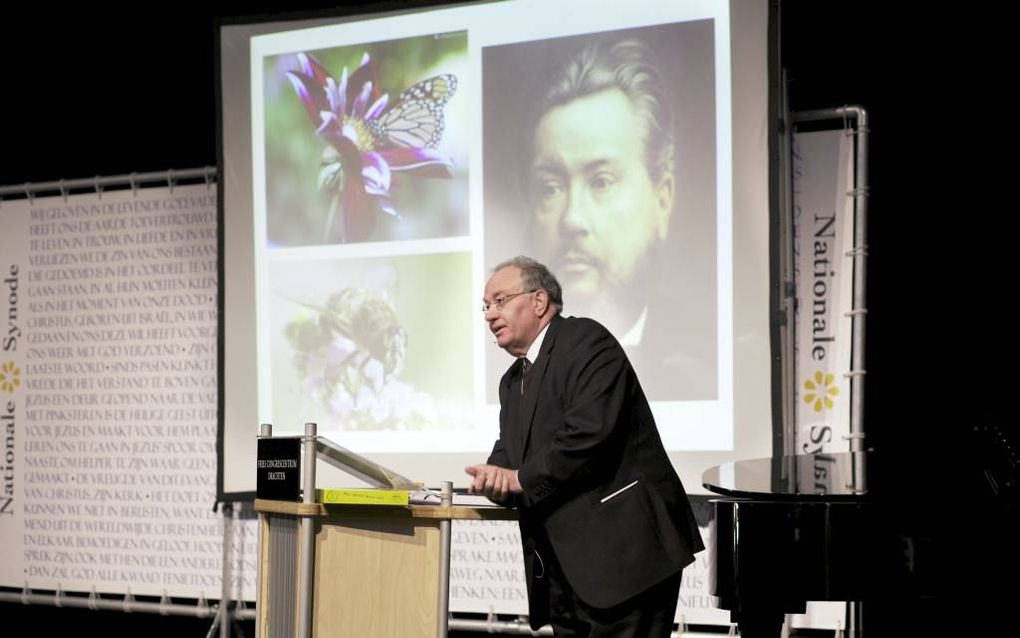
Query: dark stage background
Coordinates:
[91,92]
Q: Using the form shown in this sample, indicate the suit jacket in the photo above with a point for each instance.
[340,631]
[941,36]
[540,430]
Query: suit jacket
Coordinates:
[598,487]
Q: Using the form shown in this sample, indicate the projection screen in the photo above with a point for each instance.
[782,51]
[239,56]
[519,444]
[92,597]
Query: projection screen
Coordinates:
[376,167]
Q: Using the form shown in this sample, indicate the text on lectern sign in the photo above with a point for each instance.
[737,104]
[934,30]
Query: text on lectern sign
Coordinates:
[279,469]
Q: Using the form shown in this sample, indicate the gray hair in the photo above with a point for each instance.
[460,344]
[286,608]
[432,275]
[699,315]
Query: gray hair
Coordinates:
[631,67]
[535,276]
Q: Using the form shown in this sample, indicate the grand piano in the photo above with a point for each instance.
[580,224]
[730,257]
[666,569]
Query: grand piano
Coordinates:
[921,545]
[792,529]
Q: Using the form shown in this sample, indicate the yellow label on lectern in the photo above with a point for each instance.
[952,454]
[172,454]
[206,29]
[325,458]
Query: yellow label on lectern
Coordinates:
[364,497]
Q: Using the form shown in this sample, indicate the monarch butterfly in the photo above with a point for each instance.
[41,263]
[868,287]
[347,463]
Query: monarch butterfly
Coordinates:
[416,119]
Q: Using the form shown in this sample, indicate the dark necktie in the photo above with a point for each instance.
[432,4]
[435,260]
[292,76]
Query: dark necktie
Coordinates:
[525,366]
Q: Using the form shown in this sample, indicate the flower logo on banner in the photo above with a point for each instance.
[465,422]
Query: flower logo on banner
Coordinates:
[10,377]
[370,139]
[820,390]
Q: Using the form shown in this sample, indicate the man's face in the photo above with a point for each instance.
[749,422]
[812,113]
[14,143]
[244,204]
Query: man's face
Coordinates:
[518,322]
[596,210]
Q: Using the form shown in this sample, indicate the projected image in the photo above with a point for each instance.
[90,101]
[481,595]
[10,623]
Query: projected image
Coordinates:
[602,164]
[362,344]
[367,142]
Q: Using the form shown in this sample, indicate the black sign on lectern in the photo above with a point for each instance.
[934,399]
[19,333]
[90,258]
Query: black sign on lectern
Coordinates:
[279,469]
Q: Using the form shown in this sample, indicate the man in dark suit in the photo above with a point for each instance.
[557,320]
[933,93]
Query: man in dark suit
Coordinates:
[605,522]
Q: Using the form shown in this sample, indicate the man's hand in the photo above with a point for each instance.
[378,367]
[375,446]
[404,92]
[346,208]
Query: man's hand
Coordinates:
[494,482]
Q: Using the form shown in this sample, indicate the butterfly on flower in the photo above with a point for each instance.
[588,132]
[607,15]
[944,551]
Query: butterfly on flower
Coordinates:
[416,119]
[368,142]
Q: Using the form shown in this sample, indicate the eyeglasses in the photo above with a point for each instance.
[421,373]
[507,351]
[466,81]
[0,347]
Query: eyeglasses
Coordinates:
[499,302]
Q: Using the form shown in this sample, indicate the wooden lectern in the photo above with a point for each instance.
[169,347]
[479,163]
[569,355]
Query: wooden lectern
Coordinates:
[369,571]
[379,571]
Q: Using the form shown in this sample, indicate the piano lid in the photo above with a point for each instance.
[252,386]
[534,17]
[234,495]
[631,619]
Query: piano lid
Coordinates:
[806,477]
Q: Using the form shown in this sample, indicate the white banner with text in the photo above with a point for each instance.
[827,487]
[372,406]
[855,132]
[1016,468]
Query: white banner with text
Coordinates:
[823,216]
[109,395]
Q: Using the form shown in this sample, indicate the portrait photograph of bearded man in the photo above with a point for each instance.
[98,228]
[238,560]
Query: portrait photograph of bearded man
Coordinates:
[600,160]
